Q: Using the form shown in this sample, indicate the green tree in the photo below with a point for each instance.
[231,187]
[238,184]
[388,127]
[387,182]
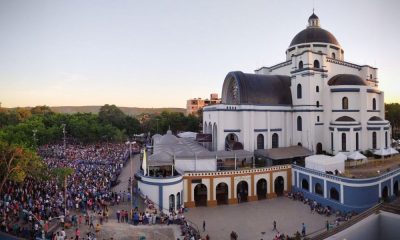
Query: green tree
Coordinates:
[111,114]
[17,163]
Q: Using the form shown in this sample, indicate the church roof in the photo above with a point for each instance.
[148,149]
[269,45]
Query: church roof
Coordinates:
[375,118]
[345,119]
[347,79]
[256,89]
[314,34]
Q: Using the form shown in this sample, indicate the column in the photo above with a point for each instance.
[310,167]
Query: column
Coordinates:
[325,190]
[289,180]
[190,202]
[271,186]
[232,199]
[212,202]
[341,194]
[380,190]
[310,186]
[253,195]
[298,179]
[391,187]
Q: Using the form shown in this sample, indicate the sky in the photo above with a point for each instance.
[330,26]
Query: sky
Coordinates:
[159,53]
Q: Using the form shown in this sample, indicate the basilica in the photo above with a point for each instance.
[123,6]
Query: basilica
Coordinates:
[314,99]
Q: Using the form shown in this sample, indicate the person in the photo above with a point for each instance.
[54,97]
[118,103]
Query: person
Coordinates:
[77,234]
[204,225]
[303,230]
[274,226]
[327,225]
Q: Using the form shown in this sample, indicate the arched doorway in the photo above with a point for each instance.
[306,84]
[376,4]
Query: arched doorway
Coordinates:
[260,141]
[242,191]
[279,185]
[304,185]
[318,189]
[319,148]
[334,194]
[275,140]
[230,140]
[222,192]
[385,193]
[262,189]
[200,195]
[178,200]
[396,188]
[172,203]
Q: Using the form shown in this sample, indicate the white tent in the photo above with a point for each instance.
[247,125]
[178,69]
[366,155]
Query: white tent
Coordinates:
[381,152]
[356,156]
[340,156]
[191,135]
[392,151]
[325,163]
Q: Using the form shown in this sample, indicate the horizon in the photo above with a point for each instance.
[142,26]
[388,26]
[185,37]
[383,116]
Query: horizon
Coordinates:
[158,54]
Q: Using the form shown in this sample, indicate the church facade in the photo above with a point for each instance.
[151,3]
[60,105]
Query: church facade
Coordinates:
[314,99]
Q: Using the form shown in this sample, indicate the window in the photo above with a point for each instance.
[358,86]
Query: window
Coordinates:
[172,202]
[332,141]
[317,118]
[357,144]
[299,91]
[386,140]
[370,76]
[343,141]
[333,55]
[301,65]
[334,194]
[374,140]
[317,88]
[373,104]
[316,64]
[299,124]
[304,184]
[275,140]
[345,103]
[317,103]
[318,189]
[260,141]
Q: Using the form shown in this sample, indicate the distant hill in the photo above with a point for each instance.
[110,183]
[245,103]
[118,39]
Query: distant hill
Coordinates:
[133,111]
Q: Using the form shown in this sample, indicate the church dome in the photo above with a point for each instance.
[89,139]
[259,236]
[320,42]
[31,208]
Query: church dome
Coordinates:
[314,33]
[347,79]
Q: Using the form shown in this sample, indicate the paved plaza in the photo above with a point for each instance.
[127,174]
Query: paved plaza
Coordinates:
[250,220]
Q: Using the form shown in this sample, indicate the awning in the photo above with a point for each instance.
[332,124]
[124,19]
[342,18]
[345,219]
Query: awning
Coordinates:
[356,156]
[381,152]
[284,152]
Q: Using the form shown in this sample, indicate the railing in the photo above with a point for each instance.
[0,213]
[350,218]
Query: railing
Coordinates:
[238,171]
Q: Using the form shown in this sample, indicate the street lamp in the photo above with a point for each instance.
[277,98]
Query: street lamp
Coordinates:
[131,164]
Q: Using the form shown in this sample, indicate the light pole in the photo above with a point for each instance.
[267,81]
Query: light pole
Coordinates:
[34,131]
[130,169]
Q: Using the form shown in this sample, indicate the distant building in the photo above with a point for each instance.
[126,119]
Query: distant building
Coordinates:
[194,104]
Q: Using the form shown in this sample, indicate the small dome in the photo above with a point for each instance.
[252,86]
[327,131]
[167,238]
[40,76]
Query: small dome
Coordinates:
[345,119]
[347,79]
[375,118]
[313,16]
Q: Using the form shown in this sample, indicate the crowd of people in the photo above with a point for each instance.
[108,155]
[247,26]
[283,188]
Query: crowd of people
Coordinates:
[24,207]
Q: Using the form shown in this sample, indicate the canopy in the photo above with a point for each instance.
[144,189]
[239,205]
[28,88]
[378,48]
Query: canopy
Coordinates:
[191,135]
[340,156]
[284,152]
[324,163]
[381,152]
[356,156]
[392,151]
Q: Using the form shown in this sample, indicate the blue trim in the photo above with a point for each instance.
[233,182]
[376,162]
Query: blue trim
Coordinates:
[261,130]
[373,110]
[160,197]
[276,129]
[345,90]
[231,130]
[373,91]
[331,128]
[386,128]
[345,124]
[318,124]
[160,184]
[345,110]
[262,110]
[373,128]
[343,129]
[357,129]
[376,124]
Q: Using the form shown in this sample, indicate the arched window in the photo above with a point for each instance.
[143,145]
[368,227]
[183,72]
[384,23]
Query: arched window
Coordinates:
[172,202]
[275,140]
[334,194]
[370,76]
[301,65]
[333,55]
[317,118]
[318,189]
[386,140]
[260,141]
[316,64]
[374,140]
[304,184]
[317,103]
[373,104]
[345,103]
[357,144]
[332,141]
[178,200]
[299,124]
[299,90]
[317,88]
[343,141]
